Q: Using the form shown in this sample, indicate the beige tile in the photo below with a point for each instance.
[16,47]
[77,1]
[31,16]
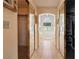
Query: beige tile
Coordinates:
[46,50]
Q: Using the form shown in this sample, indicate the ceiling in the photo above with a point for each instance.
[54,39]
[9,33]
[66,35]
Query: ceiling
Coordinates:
[46,3]
[39,3]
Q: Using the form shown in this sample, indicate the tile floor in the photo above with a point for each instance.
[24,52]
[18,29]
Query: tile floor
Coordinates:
[46,50]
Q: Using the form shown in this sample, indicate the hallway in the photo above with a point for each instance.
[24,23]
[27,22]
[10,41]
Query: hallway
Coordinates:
[47,50]
[39,29]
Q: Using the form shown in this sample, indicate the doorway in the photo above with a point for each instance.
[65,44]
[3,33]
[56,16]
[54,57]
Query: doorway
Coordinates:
[23,37]
[46,27]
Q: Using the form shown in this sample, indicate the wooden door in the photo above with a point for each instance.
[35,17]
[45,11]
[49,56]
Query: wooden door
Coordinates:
[23,37]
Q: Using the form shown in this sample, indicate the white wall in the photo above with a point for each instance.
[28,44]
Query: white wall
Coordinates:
[62,33]
[36,36]
[32,42]
[57,37]
[10,41]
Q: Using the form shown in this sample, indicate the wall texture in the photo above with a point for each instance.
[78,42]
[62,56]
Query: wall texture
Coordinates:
[10,35]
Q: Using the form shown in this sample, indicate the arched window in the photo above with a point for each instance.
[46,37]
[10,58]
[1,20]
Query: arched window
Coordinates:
[46,20]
